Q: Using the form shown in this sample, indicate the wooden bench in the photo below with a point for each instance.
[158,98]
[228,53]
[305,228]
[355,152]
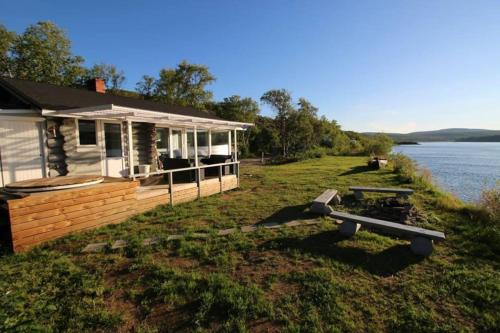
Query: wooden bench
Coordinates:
[422,239]
[320,204]
[400,192]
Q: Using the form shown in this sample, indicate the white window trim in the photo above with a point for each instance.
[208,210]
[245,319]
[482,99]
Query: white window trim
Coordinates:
[77,134]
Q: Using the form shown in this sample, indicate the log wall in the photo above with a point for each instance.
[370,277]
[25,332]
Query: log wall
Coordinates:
[45,216]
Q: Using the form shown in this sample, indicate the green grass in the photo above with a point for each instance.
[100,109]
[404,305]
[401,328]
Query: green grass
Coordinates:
[301,279]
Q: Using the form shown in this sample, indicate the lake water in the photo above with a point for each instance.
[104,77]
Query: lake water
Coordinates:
[463,168]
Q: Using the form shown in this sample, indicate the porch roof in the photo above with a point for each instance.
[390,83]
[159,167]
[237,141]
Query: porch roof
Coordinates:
[122,113]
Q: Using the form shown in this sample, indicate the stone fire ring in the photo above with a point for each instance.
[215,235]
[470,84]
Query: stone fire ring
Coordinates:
[53,184]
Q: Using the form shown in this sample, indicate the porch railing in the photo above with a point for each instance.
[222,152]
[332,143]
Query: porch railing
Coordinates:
[170,172]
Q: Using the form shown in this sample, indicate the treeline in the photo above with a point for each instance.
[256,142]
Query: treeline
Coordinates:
[42,53]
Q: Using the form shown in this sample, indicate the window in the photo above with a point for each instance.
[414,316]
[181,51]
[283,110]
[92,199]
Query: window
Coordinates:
[162,140]
[86,132]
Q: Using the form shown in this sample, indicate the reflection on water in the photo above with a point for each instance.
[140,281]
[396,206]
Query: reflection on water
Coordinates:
[463,168]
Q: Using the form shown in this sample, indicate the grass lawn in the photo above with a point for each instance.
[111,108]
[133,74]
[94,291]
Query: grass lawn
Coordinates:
[297,279]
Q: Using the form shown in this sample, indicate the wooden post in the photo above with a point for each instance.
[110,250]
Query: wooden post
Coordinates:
[130,150]
[184,148]
[198,172]
[170,150]
[195,147]
[171,188]
[235,147]
[237,166]
[220,179]
[209,142]
[229,142]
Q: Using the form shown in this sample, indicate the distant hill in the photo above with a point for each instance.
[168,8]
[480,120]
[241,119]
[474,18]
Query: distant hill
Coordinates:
[489,138]
[448,134]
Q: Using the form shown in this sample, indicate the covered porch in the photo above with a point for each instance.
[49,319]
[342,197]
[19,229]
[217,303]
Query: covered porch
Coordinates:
[167,153]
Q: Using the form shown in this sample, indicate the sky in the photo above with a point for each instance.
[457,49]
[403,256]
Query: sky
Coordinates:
[373,65]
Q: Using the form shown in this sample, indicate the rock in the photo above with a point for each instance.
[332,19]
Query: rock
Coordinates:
[227,231]
[95,247]
[421,246]
[149,241]
[348,228]
[248,228]
[118,244]
[293,223]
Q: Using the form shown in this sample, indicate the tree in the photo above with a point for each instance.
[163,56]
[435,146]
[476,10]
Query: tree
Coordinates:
[264,137]
[301,122]
[235,108]
[146,86]
[113,78]
[184,85]
[379,144]
[281,101]
[43,54]
[6,42]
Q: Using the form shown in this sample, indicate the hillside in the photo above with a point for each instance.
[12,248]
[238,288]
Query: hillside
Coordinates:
[448,134]
[489,138]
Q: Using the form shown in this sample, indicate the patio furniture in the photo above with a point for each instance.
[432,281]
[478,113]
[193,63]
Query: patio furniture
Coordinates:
[400,192]
[421,244]
[217,159]
[320,204]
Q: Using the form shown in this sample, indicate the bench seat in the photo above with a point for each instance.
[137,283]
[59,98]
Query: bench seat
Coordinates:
[320,204]
[358,191]
[422,238]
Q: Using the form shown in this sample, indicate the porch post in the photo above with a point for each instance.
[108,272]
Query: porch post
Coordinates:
[195,147]
[130,150]
[185,148]
[170,152]
[198,171]
[229,142]
[235,147]
[209,142]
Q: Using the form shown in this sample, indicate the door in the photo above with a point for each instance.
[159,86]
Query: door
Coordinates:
[113,160]
[20,151]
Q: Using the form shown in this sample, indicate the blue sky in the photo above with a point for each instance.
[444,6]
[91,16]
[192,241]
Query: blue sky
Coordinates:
[371,65]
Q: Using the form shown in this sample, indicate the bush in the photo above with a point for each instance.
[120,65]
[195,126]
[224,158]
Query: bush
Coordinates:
[490,203]
[377,145]
[404,167]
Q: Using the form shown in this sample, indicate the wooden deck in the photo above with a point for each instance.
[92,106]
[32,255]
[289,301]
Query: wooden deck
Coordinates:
[44,216]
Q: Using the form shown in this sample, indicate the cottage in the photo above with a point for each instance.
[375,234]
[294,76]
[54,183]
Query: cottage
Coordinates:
[48,131]
[169,154]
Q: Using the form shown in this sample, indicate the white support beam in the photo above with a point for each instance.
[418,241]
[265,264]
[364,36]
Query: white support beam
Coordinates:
[195,147]
[209,142]
[235,147]
[229,151]
[185,152]
[170,150]
[130,150]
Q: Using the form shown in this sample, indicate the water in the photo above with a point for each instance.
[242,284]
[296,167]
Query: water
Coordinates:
[462,168]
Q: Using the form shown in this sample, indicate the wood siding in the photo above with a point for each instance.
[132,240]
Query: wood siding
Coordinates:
[45,216]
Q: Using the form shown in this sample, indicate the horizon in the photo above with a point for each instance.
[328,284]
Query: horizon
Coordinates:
[371,67]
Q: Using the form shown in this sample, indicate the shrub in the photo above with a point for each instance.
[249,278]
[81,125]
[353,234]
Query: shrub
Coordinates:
[379,144]
[404,167]
[490,203]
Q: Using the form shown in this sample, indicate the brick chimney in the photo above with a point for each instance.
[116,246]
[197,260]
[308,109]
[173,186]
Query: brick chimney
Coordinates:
[97,85]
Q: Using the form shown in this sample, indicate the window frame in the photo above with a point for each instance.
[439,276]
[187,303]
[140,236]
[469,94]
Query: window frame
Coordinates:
[96,130]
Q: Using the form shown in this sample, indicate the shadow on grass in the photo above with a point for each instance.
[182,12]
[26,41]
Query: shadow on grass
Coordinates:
[385,263]
[356,170]
[290,213]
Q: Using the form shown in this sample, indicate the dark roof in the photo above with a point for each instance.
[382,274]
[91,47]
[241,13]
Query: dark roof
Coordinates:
[52,97]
